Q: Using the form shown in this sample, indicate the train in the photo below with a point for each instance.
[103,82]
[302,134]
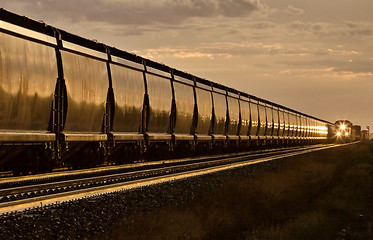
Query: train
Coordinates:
[345,132]
[66,101]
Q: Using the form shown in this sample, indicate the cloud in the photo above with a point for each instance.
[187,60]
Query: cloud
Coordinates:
[355,67]
[349,29]
[350,68]
[141,12]
[262,25]
[359,29]
[343,52]
[293,10]
[223,50]
[311,27]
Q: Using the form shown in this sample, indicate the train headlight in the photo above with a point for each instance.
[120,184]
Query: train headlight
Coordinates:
[343,127]
[338,134]
[346,133]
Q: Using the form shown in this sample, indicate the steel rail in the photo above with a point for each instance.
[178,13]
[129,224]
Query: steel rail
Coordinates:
[110,177]
[5,174]
[137,179]
[11,182]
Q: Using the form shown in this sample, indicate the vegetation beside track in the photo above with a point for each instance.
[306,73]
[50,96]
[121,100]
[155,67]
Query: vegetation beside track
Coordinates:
[325,195]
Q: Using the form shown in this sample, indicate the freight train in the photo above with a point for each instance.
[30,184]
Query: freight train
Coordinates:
[69,101]
[345,131]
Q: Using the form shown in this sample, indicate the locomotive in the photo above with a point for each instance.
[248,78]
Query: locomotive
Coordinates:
[69,101]
[343,130]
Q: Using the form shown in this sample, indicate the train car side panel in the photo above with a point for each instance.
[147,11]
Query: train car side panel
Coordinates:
[234,115]
[160,99]
[129,90]
[287,125]
[204,103]
[305,127]
[254,119]
[220,108]
[87,84]
[245,118]
[262,120]
[184,99]
[300,126]
[276,122]
[269,129]
[27,81]
[293,125]
[282,123]
[313,128]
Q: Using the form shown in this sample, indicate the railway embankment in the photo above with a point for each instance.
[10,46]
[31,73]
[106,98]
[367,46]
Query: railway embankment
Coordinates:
[324,195]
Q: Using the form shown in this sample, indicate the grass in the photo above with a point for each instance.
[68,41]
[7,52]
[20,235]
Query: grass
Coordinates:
[326,195]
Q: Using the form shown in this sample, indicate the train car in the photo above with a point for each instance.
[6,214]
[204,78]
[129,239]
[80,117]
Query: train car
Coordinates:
[254,123]
[84,85]
[203,131]
[159,107]
[245,119]
[186,112]
[282,127]
[101,105]
[332,134]
[233,118]
[356,133]
[28,78]
[219,120]
[126,100]
[276,126]
[262,126]
[343,129]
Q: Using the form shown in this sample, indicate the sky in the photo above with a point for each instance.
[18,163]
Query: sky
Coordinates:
[313,56]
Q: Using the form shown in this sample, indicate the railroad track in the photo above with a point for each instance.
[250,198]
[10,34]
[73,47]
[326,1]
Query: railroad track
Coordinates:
[6,174]
[20,193]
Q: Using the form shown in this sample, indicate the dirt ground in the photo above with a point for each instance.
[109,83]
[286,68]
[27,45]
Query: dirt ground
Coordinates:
[325,195]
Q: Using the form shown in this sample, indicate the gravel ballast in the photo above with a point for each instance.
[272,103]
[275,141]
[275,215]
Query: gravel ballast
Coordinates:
[104,217]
